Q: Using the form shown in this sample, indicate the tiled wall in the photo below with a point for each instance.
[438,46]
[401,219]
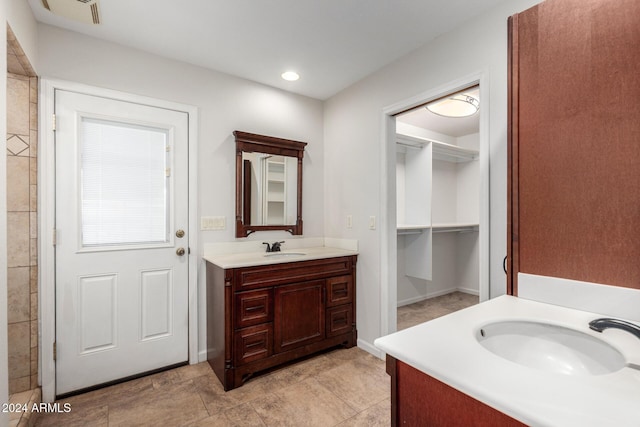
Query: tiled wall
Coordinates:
[22,225]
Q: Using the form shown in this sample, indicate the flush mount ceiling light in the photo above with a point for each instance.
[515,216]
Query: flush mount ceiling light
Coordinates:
[85,11]
[290,76]
[458,105]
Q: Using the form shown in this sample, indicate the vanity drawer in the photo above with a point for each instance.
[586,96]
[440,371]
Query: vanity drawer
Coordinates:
[253,343]
[339,320]
[253,307]
[339,290]
[279,274]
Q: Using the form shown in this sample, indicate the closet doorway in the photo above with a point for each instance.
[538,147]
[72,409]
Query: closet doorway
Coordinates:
[438,187]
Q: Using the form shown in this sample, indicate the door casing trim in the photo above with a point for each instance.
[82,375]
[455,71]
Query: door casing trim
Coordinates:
[46,219]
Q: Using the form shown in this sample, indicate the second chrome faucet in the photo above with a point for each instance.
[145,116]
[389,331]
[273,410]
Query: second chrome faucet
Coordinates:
[600,325]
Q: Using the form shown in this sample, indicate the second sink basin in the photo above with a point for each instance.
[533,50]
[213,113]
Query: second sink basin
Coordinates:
[283,254]
[550,348]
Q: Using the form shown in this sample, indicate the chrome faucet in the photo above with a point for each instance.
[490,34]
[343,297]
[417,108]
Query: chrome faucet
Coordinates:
[600,325]
[274,247]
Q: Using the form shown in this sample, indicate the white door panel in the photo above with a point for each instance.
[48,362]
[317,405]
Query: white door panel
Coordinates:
[97,314]
[156,310]
[121,195]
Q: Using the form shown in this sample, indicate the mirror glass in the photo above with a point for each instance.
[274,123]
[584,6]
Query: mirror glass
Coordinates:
[270,184]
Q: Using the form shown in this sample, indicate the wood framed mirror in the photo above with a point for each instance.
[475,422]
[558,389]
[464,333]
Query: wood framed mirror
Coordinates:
[268,184]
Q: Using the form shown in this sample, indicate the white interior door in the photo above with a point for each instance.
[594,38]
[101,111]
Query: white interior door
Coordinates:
[121,239]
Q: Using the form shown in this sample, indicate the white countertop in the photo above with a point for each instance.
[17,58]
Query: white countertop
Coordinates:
[446,349]
[249,259]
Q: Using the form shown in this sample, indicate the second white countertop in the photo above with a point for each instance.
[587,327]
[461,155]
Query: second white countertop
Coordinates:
[446,349]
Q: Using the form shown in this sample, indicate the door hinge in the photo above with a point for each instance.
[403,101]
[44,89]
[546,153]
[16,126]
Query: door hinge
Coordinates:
[53,122]
[167,172]
[55,350]
[55,236]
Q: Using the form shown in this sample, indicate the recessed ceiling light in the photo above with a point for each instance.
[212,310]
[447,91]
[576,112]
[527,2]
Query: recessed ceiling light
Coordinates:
[290,76]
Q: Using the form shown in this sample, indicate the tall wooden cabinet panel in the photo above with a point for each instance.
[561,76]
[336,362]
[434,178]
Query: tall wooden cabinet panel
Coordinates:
[574,127]
[263,316]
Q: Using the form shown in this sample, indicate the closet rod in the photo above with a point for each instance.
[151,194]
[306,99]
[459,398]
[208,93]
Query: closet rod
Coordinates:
[404,144]
[456,230]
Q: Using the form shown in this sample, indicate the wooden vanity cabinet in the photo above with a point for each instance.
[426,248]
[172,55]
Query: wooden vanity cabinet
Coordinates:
[263,316]
[418,399]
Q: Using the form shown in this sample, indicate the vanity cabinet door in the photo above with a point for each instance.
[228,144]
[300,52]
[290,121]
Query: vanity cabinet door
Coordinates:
[253,308]
[253,343]
[299,315]
[339,290]
[339,320]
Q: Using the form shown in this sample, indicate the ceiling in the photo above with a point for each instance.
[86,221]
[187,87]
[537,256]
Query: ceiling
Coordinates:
[330,43]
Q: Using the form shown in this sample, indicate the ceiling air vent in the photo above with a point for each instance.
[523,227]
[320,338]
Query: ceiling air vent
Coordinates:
[85,11]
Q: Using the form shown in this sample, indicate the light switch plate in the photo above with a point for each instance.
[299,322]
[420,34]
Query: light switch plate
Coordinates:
[349,221]
[213,223]
[372,222]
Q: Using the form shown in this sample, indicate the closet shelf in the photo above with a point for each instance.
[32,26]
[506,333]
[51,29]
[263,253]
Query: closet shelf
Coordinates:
[438,228]
[441,150]
[412,229]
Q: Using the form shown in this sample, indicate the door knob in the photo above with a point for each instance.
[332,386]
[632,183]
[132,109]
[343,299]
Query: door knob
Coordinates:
[180,233]
[180,251]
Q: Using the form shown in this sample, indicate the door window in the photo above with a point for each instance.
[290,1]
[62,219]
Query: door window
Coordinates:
[125,185]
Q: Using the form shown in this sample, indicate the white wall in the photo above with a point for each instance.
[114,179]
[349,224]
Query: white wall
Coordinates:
[225,104]
[24,26]
[353,133]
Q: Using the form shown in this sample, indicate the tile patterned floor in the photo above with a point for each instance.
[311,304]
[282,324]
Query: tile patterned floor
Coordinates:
[344,387]
[23,399]
[425,310]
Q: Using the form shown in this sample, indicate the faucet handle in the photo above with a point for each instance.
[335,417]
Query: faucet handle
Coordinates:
[268,246]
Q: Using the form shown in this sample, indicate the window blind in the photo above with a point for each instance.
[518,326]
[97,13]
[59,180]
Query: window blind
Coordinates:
[124,183]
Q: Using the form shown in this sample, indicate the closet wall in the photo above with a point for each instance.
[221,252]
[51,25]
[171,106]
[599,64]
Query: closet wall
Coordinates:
[438,214]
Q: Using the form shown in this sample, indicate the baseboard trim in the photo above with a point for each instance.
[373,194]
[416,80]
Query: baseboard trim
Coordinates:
[370,348]
[437,294]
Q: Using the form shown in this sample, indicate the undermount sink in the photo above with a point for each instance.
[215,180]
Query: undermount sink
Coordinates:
[283,254]
[550,348]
